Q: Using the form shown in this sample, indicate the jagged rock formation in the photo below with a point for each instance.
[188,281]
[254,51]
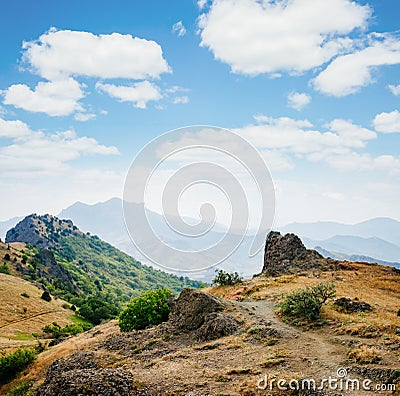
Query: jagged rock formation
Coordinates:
[286,254]
[201,312]
[41,231]
[54,270]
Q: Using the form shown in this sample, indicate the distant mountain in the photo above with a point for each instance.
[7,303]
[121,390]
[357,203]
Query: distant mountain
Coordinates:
[381,227]
[6,225]
[70,261]
[355,257]
[106,220]
[350,245]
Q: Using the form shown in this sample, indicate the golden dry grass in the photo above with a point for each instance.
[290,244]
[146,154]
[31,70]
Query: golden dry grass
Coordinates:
[21,316]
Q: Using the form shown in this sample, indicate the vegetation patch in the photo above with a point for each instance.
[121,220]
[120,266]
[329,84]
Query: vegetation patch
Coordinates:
[224,278]
[13,363]
[307,303]
[150,308]
[365,355]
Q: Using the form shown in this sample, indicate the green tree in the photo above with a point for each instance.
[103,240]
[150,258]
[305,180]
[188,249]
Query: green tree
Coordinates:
[150,308]
[224,278]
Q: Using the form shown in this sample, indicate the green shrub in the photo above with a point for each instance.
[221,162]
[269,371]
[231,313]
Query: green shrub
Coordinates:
[4,269]
[96,310]
[12,364]
[150,308]
[24,294]
[22,388]
[46,296]
[307,303]
[55,331]
[7,257]
[223,278]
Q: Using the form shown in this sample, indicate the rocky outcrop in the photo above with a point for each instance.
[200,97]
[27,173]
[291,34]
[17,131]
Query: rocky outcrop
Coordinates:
[286,254]
[54,270]
[79,374]
[349,306]
[202,313]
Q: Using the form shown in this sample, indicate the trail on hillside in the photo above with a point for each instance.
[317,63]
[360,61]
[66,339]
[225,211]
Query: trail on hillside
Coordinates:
[28,318]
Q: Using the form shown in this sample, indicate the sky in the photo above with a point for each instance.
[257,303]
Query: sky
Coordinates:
[314,85]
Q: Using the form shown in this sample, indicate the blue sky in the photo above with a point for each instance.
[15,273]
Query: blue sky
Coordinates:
[313,84]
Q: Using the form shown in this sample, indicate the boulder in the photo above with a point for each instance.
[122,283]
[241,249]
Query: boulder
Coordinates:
[217,325]
[191,308]
[349,306]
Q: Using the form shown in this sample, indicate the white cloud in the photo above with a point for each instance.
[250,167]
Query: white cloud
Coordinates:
[201,3]
[54,98]
[139,93]
[394,89]
[34,153]
[299,138]
[298,100]
[256,37]
[60,53]
[181,100]
[179,29]
[347,74]
[83,117]
[387,122]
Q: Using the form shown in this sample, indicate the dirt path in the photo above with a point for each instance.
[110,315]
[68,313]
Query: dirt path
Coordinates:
[28,318]
[321,351]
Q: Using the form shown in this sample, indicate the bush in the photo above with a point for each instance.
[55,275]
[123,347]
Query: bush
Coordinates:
[46,296]
[56,331]
[12,364]
[150,308]
[7,257]
[223,278]
[307,303]
[96,310]
[24,294]
[4,269]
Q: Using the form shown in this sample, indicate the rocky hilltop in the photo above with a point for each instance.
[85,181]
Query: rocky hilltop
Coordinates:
[286,254]
[42,231]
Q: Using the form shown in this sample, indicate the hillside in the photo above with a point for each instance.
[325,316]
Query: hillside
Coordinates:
[73,264]
[232,344]
[23,312]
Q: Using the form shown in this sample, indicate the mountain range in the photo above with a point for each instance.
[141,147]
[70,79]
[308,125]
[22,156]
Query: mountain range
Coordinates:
[374,240]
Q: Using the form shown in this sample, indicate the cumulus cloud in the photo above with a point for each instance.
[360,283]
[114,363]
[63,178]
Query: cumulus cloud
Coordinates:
[347,74]
[56,53]
[394,89]
[179,29]
[54,98]
[35,153]
[256,37]
[300,138]
[387,122]
[298,100]
[139,93]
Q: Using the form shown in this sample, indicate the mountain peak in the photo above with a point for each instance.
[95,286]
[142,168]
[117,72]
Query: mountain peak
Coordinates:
[42,231]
